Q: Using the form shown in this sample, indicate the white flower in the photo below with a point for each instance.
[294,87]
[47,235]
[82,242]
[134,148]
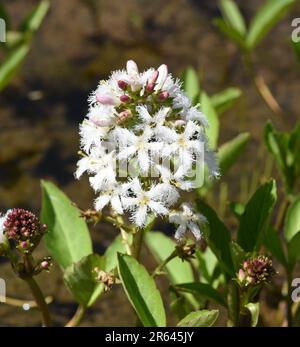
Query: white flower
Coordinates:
[186,145]
[194,114]
[186,220]
[2,237]
[2,220]
[177,178]
[141,146]
[144,202]
[100,163]
[149,122]
[113,196]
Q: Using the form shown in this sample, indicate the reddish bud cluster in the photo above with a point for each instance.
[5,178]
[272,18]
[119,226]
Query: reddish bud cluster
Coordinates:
[256,270]
[21,225]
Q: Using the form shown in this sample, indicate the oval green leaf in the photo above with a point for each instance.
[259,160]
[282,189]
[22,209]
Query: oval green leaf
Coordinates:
[141,291]
[79,278]
[203,318]
[68,239]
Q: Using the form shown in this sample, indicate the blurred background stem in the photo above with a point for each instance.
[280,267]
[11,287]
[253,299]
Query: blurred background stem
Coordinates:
[261,86]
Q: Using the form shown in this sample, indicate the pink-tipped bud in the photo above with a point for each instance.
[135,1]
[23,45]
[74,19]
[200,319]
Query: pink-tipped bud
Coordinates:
[123,116]
[163,96]
[122,84]
[132,68]
[152,81]
[45,264]
[24,245]
[105,100]
[163,74]
[125,98]
[241,275]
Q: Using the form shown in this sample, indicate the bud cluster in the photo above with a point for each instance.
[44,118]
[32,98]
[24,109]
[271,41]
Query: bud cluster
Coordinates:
[23,227]
[256,270]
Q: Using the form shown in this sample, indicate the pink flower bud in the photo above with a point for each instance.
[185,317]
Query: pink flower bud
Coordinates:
[122,84]
[45,264]
[241,275]
[105,100]
[152,81]
[163,96]
[124,98]
[123,116]
[24,244]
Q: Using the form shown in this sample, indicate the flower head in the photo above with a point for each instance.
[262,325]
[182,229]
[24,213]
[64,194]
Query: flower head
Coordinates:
[22,226]
[151,124]
[256,270]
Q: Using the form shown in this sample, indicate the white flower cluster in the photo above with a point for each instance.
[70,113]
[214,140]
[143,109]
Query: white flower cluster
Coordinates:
[145,116]
[2,220]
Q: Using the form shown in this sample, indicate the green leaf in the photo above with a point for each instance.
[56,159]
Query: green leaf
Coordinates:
[68,239]
[225,99]
[212,117]
[203,318]
[12,62]
[285,148]
[80,280]
[233,16]
[202,290]
[228,31]
[230,151]
[238,255]
[294,249]
[161,247]
[141,291]
[292,220]
[191,83]
[33,21]
[274,245]
[219,237]
[255,219]
[254,311]
[111,253]
[266,17]
[206,262]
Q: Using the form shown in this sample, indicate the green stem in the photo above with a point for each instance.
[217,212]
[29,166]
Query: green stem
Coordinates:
[124,236]
[138,239]
[159,268]
[40,300]
[76,319]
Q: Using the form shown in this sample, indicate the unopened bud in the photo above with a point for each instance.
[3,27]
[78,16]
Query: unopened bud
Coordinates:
[123,116]
[163,74]
[163,96]
[152,81]
[132,68]
[122,84]
[125,98]
[105,99]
